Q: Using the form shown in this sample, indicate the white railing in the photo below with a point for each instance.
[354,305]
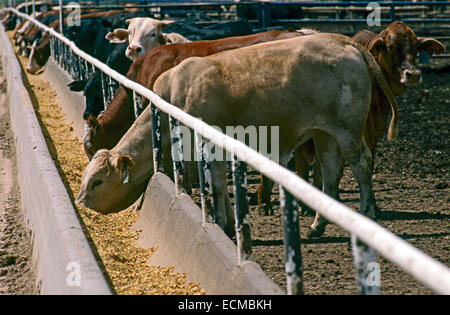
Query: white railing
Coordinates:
[413,261]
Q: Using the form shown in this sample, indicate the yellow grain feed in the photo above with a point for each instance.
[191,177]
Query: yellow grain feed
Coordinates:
[123,262]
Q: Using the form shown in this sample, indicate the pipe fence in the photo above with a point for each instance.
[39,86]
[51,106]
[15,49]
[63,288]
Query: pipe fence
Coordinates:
[367,236]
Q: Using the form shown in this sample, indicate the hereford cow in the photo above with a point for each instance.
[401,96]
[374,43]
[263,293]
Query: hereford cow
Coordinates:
[144,34]
[395,50]
[317,85]
[106,131]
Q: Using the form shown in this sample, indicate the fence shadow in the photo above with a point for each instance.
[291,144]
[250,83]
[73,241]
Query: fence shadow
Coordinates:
[341,239]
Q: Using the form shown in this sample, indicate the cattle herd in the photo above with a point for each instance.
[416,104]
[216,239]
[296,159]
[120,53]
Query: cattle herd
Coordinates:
[332,97]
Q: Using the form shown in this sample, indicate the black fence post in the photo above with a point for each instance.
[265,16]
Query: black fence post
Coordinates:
[241,213]
[104,86]
[392,13]
[137,100]
[156,138]
[205,179]
[177,154]
[293,262]
[367,269]
[265,14]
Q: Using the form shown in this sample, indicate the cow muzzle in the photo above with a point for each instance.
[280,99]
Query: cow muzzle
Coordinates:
[134,51]
[410,77]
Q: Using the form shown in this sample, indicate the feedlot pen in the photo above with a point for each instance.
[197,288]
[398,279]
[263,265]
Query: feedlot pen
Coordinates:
[411,182]
[411,187]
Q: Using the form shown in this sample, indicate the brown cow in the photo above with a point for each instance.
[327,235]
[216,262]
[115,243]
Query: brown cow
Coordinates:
[106,131]
[395,50]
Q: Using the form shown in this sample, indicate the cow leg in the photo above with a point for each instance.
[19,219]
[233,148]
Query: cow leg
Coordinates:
[223,213]
[302,168]
[264,196]
[331,163]
[360,161]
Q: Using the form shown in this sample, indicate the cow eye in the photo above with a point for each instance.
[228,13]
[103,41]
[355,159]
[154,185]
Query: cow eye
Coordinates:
[153,35]
[96,183]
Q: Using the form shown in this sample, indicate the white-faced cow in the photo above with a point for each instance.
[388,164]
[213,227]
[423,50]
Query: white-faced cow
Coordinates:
[142,35]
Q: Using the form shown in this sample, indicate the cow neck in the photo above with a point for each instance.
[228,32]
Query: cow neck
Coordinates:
[119,110]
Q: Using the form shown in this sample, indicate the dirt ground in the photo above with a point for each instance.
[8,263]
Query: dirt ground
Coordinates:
[411,182]
[17,275]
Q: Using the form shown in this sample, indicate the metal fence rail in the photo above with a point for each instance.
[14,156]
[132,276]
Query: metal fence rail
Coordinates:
[263,9]
[367,235]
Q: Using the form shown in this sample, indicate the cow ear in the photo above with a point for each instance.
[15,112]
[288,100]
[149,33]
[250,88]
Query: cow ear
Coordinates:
[128,21]
[118,36]
[164,23]
[376,46]
[77,86]
[96,127]
[430,45]
[123,165]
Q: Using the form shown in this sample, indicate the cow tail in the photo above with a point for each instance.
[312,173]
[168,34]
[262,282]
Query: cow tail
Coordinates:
[376,71]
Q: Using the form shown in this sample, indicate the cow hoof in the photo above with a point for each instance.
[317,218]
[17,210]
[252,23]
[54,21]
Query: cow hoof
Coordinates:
[313,232]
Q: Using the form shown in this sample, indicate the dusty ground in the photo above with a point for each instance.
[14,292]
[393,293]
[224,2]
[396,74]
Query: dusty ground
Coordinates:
[411,182]
[124,264]
[17,274]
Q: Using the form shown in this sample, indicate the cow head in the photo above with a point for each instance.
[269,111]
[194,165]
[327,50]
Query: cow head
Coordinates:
[40,52]
[396,49]
[142,34]
[92,131]
[109,183]
[92,89]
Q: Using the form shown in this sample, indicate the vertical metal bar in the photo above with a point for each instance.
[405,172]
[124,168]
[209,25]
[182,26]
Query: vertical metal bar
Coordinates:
[88,72]
[156,138]
[52,47]
[104,89]
[265,14]
[81,69]
[241,213]
[367,269]
[293,264]
[113,86]
[205,179]
[392,12]
[34,9]
[63,55]
[177,154]
[137,100]
[61,17]
[60,52]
